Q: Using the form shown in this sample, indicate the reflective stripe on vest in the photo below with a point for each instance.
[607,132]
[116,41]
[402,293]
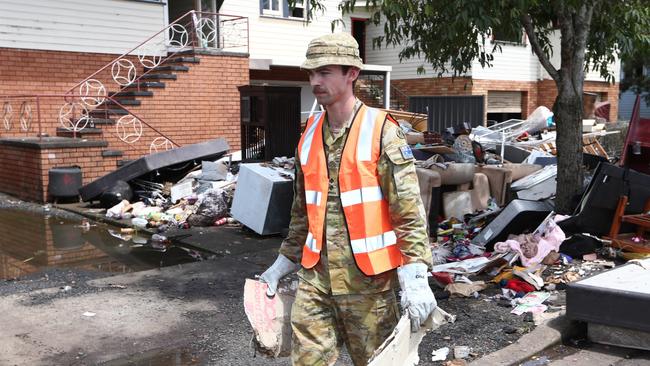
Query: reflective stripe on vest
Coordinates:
[311,153]
[372,238]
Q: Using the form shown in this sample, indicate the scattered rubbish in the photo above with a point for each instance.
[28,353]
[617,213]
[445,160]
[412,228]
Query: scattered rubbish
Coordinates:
[212,206]
[401,347]
[461,352]
[440,354]
[89,314]
[117,193]
[66,288]
[139,223]
[532,302]
[123,237]
[117,210]
[173,162]
[471,265]
[465,289]
[518,217]
[181,190]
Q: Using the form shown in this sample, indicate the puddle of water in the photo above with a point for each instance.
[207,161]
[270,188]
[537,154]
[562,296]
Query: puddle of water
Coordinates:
[174,357]
[32,241]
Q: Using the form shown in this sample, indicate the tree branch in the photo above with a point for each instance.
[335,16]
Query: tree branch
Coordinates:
[537,48]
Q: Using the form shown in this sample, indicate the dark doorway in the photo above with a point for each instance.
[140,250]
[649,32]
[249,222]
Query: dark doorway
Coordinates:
[177,8]
[500,117]
[359,33]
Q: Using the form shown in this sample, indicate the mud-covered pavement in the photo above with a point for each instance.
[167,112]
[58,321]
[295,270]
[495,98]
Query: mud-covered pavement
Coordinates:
[185,314]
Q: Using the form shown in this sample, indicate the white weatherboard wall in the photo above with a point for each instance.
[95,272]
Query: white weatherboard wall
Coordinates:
[98,26]
[282,40]
[614,67]
[389,55]
[513,62]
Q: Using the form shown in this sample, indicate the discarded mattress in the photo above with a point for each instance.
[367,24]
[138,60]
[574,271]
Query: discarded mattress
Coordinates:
[208,150]
[618,297]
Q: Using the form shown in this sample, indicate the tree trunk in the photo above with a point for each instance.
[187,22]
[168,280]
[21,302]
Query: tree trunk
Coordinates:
[568,116]
[574,28]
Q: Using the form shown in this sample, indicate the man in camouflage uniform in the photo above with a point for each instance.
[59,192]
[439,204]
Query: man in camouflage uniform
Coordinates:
[336,302]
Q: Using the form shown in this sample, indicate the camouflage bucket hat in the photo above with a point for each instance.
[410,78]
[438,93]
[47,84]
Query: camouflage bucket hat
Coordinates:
[333,49]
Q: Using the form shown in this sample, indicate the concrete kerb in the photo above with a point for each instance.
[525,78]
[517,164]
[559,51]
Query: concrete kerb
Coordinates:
[545,335]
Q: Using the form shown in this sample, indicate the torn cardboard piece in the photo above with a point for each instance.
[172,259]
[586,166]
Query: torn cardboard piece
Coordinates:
[401,347]
[270,317]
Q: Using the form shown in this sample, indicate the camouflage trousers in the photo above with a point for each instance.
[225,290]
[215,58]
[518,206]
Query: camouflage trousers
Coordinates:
[322,323]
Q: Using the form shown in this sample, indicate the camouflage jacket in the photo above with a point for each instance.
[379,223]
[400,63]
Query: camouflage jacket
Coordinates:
[337,272]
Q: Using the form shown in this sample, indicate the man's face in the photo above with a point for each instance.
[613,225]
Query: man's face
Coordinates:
[329,84]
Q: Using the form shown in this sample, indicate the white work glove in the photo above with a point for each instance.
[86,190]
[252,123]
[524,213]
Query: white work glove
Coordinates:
[280,268]
[417,298]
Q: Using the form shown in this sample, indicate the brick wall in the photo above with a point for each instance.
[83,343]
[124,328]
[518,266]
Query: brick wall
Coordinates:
[44,72]
[548,92]
[280,73]
[201,104]
[25,170]
[434,86]
[20,172]
[534,93]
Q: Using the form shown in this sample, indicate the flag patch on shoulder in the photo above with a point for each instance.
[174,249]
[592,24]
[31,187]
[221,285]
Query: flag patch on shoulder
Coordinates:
[406,151]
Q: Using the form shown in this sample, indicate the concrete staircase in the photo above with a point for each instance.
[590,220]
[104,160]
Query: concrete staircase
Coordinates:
[105,115]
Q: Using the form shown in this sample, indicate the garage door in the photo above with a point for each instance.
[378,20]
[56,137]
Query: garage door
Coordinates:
[504,102]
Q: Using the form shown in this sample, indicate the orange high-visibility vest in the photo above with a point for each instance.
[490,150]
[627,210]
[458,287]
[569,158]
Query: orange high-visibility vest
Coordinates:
[373,241]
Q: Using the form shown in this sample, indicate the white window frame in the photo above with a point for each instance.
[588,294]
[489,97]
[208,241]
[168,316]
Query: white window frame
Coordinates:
[270,11]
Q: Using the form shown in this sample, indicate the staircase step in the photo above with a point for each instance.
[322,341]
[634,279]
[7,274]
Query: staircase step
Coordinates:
[168,68]
[189,51]
[123,162]
[101,112]
[123,102]
[95,121]
[112,153]
[88,131]
[184,60]
[132,93]
[159,76]
[144,85]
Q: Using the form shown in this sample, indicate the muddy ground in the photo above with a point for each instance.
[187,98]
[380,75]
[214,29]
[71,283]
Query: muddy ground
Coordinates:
[205,301]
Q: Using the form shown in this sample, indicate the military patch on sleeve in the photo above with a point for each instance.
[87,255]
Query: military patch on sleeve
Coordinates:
[406,151]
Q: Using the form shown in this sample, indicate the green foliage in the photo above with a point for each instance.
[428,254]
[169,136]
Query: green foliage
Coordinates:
[636,68]
[450,35]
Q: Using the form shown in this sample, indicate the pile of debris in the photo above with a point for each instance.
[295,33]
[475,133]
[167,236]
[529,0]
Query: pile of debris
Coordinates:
[489,193]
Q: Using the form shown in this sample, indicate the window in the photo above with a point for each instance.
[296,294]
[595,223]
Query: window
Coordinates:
[282,8]
[271,7]
[507,34]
